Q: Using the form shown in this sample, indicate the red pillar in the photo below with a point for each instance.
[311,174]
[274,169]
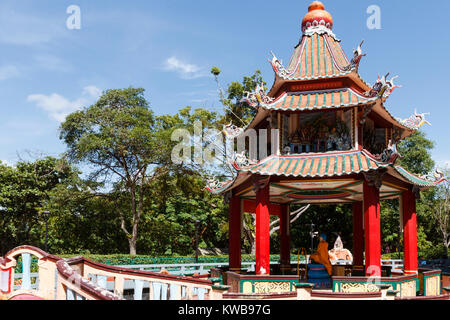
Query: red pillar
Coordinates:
[358,237]
[234,232]
[410,233]
[262,231]
[285,255]
[372,230]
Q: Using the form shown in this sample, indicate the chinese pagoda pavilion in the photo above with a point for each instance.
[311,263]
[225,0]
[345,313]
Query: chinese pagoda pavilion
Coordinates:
[336,145]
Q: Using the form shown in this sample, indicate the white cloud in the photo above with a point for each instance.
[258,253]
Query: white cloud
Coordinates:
[8,71]
[58,107]
[185,70]
[92,91]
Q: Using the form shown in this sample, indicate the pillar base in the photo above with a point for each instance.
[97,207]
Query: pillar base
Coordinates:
[285,268]
[409,272]
[358,271]
[236,270]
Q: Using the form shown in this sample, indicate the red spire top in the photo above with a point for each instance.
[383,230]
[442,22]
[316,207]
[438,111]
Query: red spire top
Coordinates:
[317,16]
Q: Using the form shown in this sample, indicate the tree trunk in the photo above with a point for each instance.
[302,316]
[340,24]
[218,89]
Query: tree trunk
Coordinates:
[135,221]
[446,245]
[132,244]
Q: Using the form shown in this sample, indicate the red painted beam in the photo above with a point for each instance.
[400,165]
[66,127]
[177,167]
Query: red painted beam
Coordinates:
[410,232]
[262,232]
[372,230]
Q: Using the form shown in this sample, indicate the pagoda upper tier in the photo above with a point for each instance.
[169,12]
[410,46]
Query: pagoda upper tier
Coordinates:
[326,123]
[319,56]
[320,76]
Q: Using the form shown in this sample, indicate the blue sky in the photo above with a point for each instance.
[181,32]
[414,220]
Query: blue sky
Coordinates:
[168,48]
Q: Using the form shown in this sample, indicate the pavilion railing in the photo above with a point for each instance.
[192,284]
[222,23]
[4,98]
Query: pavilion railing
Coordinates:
[82,279]
[190,269]
[140,284]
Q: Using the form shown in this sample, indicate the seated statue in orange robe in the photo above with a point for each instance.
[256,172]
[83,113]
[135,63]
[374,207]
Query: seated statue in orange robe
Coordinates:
[321,256]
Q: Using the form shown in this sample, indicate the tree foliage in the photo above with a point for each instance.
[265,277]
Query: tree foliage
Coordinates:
[118,137]
[415,154]
[235,111]
[24,194]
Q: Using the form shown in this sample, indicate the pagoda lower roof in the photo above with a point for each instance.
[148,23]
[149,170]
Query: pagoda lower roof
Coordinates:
[327,165]
[317,100]
[415,179]
[314,165]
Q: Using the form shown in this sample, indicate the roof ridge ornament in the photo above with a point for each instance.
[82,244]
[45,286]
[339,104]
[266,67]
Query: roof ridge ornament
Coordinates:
[240,160]
[232,131]
[415,121]
[382,87]
[213,184]
[277,66]
[258,97]
[390,154]
[438,176]
[420,181]
[357,56]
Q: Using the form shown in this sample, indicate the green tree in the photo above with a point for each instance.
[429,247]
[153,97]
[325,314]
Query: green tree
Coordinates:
[441,213]
[24,194]
[178,198]
[83,221]
[235,111]
[118,138]
[416,158]
[415,152]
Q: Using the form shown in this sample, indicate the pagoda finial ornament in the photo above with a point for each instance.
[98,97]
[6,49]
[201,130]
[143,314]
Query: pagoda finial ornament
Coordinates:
[317,16]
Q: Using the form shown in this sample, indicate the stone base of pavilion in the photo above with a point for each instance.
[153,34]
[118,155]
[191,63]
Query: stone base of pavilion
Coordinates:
[427,284]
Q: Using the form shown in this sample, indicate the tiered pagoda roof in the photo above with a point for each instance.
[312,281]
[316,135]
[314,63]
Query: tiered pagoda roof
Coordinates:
[320,77]
[317,56]
[330,164]
[323,165]
[318,100]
